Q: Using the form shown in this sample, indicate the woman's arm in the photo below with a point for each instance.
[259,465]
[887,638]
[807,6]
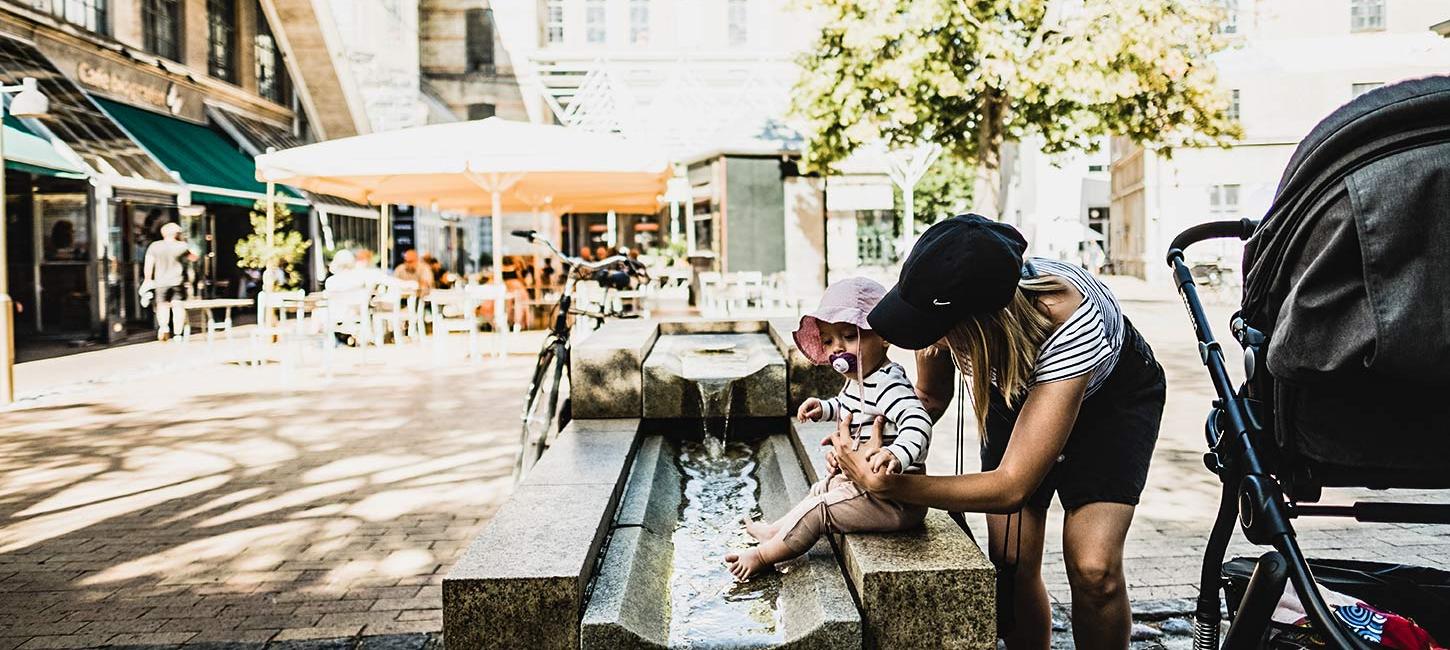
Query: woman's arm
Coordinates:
[1037,439]
[934,385]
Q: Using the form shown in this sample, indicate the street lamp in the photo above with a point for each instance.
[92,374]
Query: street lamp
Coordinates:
[28,102]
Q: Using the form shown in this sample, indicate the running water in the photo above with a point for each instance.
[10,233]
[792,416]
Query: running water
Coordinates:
[708,608]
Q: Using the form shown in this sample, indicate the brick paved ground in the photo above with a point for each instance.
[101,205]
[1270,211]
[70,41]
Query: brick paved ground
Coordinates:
[214,502]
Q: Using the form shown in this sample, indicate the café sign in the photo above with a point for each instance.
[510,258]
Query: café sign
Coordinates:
[130,86]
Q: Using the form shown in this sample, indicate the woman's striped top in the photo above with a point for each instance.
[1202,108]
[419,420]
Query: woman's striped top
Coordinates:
[1090,340]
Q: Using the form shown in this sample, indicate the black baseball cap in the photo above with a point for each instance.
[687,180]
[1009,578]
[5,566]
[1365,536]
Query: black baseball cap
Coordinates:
[964,266]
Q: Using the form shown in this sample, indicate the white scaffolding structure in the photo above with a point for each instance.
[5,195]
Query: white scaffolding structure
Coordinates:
[683,102]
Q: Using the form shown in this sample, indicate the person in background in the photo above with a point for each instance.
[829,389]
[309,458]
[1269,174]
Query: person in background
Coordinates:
[415,271]
[546,274]
[517,278]
[441,279]
[586,254]
[166,271]
[601,252]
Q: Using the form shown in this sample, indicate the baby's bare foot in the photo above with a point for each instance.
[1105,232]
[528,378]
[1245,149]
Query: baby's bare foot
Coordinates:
[761,531]
[745,563]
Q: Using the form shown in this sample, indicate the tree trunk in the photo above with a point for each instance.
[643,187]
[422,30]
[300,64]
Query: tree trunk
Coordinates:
[987,183]
[987,193]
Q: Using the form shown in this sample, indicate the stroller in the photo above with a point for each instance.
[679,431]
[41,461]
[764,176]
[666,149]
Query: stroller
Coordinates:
[1345,327]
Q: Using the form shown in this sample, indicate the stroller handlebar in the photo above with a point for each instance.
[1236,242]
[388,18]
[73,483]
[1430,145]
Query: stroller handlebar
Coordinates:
[1241,229]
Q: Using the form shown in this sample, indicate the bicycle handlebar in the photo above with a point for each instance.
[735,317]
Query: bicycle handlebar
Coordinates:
[633,266]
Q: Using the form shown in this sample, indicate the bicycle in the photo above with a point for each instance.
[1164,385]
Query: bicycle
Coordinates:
[544,415]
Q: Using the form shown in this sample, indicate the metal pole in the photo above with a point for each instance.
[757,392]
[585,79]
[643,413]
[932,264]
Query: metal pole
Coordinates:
[500,319]
[690,225]
[385,219]
[7,307]
[908,230]
[271,252]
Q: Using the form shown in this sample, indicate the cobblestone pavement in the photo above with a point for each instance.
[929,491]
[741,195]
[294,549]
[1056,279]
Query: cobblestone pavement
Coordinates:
[212,502]
[148,497]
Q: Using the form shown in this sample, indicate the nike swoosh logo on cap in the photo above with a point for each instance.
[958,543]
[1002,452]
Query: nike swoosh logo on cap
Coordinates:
[940,303]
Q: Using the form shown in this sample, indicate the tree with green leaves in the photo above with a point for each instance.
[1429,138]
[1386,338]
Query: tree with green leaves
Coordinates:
[972,75]
[287,249]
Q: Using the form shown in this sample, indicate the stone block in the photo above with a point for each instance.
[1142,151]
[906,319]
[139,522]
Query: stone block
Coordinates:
[605,371]
[805,378]
[587,452]
[522,581]
[926,588]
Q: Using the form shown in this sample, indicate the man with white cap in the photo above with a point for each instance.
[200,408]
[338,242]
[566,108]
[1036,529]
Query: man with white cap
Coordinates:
[166,270]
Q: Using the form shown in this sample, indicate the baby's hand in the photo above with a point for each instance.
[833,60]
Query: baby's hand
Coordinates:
[811,410]
[884,460]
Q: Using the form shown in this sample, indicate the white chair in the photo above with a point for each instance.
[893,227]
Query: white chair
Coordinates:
[346,312]
[272,322]
[456,310]
[395,310]
[711,300]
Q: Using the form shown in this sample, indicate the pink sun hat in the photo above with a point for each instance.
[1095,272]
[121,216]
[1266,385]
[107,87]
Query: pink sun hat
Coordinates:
[847,301]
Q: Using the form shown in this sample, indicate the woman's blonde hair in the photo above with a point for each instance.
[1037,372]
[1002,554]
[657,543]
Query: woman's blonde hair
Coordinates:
[998,350]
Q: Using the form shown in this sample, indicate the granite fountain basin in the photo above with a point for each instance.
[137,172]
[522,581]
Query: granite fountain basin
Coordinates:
[714,375]
[661,582]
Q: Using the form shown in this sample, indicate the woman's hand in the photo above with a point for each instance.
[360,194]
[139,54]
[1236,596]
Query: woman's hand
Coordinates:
[855,463]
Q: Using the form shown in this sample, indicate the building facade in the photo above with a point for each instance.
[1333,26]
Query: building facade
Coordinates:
[157,108]
[467,70]
[1295,62]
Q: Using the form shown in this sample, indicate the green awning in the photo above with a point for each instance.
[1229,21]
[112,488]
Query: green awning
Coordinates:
[203,157]
[32,154]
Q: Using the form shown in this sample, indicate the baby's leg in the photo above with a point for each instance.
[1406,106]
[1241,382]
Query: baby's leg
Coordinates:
[862,512]
[791,536]
[762,531]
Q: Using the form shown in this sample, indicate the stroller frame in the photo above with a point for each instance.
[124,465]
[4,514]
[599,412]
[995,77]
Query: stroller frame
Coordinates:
[1252,494]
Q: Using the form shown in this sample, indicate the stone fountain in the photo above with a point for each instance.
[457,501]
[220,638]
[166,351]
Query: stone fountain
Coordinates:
[614,539]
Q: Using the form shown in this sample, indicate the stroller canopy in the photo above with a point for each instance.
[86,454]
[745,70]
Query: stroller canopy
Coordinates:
[1349,273]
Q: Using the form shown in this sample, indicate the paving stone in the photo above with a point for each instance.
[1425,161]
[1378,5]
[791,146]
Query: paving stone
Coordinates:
[314,644]
[394,642]
[1177,627]
[66,641]
[318,633]
[1142,632]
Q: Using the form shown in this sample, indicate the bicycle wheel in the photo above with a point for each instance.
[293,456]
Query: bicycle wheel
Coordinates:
[550,420]
[537,412]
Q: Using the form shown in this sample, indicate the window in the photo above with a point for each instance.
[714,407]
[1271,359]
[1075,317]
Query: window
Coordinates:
[1223,200]
[478,39]
[1359,89]
[554,26]
[1230,24]
[161,27]
[90,14]
[876,237]
[271,74]
[221,31]
[638,22]
[737,18]
[1366,15]
[1233,104]
[594,16]
[481,111]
